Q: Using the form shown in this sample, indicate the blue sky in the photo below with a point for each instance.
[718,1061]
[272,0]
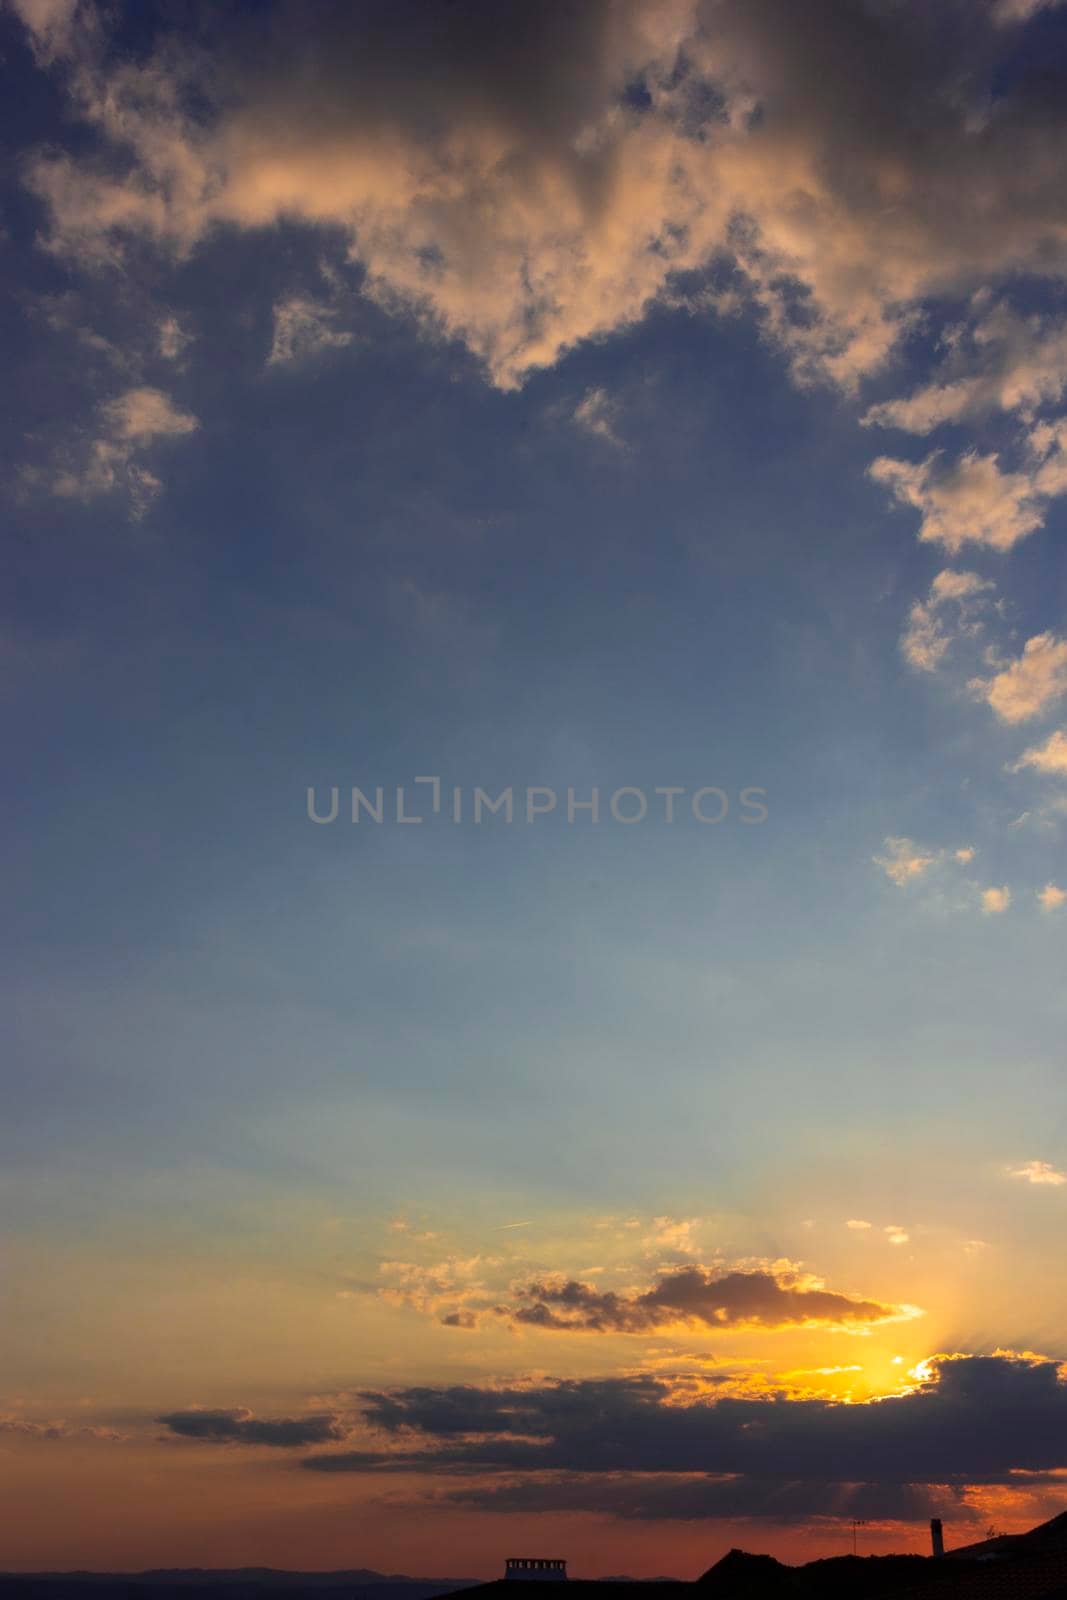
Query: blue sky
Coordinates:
[401,468]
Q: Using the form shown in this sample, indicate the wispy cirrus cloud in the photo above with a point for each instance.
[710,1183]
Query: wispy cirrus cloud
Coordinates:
[453,1289]
[59,1429]
[303,328]
[115,461]
[955,607]
[677,1235]
[597,413]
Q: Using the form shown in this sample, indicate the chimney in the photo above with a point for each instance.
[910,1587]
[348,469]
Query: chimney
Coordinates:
[937,1538]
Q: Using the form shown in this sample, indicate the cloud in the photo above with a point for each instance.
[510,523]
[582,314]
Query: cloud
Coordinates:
[1040,1172]
[25,1428]
[846,175]
[894,1234]
[302,329]
[703,1497]
[698,1297]
[1049,757]
[141,415]
[1005,362]
[447,1289]
[241,1427]
[596,413]
[111,463]
[970,1420]
[1052,897]
[904,860]
[173,340]
[460,1319]
[672,1234]
[969,501]
[1007,12]
[50,25]
[1029,685]
[994,901]
[952,610]
[417,1235]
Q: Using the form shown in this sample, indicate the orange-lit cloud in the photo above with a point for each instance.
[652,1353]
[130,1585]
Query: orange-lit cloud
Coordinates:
[522,233]
[1026,686]
[1040,1172]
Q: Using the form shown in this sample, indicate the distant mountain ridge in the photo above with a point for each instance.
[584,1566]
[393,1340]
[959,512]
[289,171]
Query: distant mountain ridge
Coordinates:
[236,1583]
[278,1575]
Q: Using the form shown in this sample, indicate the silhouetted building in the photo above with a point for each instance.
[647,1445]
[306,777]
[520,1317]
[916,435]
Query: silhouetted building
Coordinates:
[1020,1566]
[535,1567]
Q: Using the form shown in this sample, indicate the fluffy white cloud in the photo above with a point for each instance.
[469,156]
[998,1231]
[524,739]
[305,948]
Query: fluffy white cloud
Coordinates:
[895,1234]
[1027,686]
[1052,897]
[857,1224]
[994,900]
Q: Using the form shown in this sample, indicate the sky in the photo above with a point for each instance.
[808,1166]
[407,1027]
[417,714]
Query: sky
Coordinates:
[535,674]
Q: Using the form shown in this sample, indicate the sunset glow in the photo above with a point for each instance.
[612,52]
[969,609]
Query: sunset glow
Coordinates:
[535,667]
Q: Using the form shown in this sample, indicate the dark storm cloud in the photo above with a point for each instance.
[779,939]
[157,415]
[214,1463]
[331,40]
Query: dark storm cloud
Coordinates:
[525,177]
[977,1420]
[694,1295]
[241,1427]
